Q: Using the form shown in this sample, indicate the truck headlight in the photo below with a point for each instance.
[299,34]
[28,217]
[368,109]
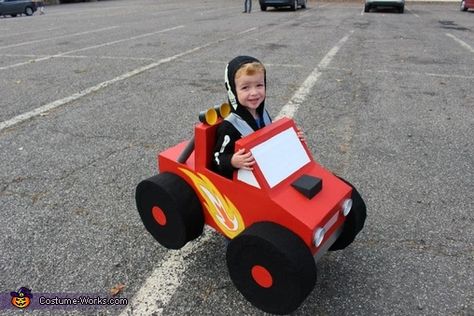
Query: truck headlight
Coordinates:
[346,207]
[318,236]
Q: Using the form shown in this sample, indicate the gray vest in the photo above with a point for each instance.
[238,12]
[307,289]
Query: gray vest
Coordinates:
[242,126]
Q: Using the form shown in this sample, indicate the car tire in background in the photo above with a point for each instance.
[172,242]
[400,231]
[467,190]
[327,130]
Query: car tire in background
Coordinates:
[366,8]
[463,6]
[401,9]
[354,221]
[29,11]
[272,267]
[169,209]
[263,7]
[303,6]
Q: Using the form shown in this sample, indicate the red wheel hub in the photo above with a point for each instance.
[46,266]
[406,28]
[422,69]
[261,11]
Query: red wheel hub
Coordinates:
[262,276]
[158,215]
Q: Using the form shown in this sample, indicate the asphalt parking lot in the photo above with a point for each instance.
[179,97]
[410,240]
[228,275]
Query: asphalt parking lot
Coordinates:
[90,92]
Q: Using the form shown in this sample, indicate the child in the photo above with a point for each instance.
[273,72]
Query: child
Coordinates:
[245,81]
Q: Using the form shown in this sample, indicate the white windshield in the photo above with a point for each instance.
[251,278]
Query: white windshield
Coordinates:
[280,156]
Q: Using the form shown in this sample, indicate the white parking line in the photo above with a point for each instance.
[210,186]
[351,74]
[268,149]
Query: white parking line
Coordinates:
[89,47]
[29,32]
[406,73]
[298,98]
[21,55]
[221,62]
[159,287]
[218,9]
[106,57]
[58,37]
[194,9]
[448,76]
[411,12]
[81,57]
[78,11]
[463,44]
[47,107]
[416,15]
[166,279]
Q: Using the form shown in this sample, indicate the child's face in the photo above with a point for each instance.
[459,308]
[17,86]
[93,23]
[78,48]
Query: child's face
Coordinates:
[250,90]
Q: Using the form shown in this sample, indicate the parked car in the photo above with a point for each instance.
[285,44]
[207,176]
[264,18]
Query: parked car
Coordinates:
[293,4]
[397,4]
[279,218]
[15,7]
[467,4]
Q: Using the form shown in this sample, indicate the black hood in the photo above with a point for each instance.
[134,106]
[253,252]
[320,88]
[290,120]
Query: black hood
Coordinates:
[230,72]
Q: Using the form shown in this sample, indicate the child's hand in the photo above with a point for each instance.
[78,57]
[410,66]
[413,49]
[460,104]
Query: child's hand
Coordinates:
[300,134]
[243,160]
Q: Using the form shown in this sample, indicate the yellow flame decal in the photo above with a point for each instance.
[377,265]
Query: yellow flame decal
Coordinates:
[222,210]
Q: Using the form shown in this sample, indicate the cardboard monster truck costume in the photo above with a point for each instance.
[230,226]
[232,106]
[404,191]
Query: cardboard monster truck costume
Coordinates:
[280,218]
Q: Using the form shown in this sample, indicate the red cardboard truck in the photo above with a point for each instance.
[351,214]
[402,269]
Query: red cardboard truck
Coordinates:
[279,218]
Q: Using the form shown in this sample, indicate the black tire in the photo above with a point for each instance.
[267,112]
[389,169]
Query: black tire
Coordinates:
[401,9]
[29,11]
[263,7]
[169,209]
[13,15]
[354,221]
[463,6]
[272,267]
[367,8]
[303,6]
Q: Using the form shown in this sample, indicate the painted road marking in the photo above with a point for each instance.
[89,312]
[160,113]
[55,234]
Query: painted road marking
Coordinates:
[90,47]
[406,73]
[29,32]
[223,63]
[174,265]
[81,57]
[58,37]
[463,44]
[53,105]
[299,97]
[153,294]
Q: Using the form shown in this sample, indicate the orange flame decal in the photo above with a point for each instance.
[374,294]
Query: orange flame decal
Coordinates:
[222,210]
